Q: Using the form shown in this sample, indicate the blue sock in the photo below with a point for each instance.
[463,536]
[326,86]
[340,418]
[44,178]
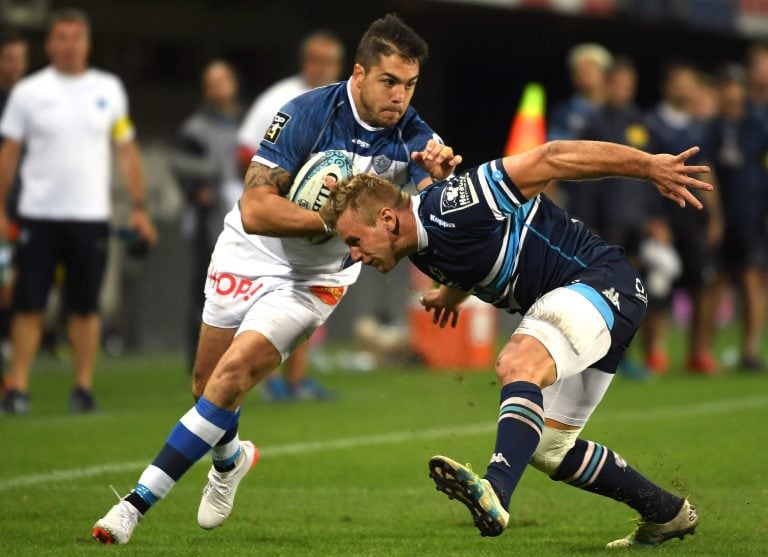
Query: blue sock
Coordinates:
[597,469]
[521,421]
[193,436]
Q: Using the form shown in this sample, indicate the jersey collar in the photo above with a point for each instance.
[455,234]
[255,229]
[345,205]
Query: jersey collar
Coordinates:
[354,109]
[422,240]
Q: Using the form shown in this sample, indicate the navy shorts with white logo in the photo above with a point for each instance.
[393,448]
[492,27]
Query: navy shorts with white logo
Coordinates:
[620,286]
[81,248]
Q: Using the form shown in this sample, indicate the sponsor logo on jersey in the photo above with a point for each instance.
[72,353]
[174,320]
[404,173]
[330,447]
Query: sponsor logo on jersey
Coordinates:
[278,123]
[613,297]
[499,457]
[381,164]
[329,295]
[440,222]
[361,143]
[458,195]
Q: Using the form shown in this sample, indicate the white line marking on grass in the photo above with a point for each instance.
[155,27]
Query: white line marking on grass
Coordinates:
[661,413]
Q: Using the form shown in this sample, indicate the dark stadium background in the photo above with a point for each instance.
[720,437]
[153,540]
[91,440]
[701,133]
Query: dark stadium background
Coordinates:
[480,58]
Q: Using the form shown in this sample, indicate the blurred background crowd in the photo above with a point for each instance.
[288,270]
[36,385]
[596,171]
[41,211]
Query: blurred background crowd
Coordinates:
[203,80]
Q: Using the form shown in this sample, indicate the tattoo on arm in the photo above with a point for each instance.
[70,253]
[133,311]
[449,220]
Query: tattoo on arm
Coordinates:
[262,175]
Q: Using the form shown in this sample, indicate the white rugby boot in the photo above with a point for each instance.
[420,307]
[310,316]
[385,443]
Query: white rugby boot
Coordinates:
[461,483]
[653,534]
[219,494]
[118,524]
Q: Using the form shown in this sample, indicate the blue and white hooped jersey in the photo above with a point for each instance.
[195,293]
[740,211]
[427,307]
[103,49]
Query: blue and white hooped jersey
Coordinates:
[485,238]
[326,118]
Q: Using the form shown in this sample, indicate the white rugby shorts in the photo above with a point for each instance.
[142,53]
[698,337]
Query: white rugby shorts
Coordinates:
[576,336]
[240,295]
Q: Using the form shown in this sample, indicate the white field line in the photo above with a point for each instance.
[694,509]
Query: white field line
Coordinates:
[661,413]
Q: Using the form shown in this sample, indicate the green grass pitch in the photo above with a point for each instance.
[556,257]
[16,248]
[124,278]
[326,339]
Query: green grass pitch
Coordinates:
[350,477]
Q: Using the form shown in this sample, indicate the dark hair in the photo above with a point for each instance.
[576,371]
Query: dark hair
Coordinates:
[677,65]
[387,36]
[623,62]
[69,15]
[10,36]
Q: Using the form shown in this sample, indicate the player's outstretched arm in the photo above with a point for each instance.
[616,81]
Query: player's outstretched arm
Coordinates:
[265,210]
[588,160]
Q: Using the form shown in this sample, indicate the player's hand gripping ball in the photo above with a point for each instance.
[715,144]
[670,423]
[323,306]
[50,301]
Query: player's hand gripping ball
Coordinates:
[316,179]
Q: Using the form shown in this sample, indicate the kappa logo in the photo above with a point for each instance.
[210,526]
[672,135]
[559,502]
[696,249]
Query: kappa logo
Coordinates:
[499,457]
[457,196]
[640,292]
[278,123]
[381,164]
[612,297]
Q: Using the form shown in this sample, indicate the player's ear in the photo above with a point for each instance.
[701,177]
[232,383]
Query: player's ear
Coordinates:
[389,218]
[358,74]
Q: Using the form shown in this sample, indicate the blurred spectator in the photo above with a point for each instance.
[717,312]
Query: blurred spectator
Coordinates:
[618,211]
[65,114]
[587,64]
[321,55]
[757,77]
[696,234]
[206,169]
[704,104]
[737,145]
[13,66]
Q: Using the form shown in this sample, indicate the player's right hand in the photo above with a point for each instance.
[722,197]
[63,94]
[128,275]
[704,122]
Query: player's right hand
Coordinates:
[443,308]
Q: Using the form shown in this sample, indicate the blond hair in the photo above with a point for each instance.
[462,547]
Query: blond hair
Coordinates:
[590,51]
[365,195]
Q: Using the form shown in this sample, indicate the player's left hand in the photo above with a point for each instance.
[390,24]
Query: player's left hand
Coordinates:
[444,309]
[673,179]
[141,222]
[437,159]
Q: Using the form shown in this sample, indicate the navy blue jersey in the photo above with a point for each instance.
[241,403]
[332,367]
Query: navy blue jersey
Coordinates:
[326,118]
[738,151]
[485,238]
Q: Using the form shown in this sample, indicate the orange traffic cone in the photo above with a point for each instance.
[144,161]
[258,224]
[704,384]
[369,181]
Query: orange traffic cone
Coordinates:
[528,128]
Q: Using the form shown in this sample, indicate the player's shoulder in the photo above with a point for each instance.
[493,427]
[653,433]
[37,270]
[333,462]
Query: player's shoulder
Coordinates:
[36,80]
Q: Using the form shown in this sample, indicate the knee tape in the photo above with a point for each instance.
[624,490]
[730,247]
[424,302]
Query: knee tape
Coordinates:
[554,445]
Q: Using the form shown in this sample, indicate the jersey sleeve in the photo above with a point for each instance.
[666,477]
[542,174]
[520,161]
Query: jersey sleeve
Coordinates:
[289,139]
[498,190]
[14,123]
[122,127]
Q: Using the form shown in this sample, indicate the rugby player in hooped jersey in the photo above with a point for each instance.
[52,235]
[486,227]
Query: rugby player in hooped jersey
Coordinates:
[491,232]
[268,288]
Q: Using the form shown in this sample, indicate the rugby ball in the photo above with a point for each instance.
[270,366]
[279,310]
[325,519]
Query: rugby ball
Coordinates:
[310,187]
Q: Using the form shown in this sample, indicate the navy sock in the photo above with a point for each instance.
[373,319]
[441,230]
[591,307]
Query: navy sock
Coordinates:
[598,469]
[521,421]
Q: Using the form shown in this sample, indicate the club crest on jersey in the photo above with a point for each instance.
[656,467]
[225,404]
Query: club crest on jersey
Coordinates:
[457,196]
[278,123]
[329,295]
[381,164]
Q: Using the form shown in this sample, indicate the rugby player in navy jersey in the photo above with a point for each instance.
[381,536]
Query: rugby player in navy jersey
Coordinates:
[491,232]
[268,287]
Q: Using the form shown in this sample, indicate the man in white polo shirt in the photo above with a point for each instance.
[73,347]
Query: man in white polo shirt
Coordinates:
[67,116]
